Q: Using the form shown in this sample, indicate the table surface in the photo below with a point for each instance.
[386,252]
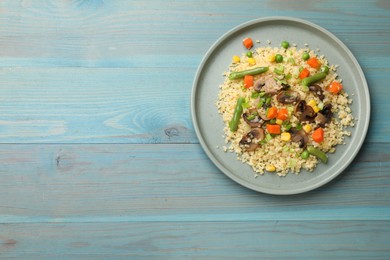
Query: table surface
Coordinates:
[99,158]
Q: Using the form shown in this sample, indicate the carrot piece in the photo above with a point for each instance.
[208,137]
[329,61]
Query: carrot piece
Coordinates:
[248,43]
[248,81]
[282,114]
[318,135]
[314,63]
[335,87]
[304,73]
[273,129]
[272,112]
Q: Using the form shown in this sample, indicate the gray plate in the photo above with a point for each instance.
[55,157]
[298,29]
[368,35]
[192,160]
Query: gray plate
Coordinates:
[209,125]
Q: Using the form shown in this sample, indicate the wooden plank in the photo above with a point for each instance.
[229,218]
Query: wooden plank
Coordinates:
[116,34]
[96,106]
[198,240]
[130,182]
[117,105]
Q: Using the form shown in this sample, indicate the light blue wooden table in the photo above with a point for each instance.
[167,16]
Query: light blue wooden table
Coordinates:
[99,158]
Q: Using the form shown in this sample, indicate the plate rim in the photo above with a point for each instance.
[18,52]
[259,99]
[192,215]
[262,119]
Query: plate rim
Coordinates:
[219,165]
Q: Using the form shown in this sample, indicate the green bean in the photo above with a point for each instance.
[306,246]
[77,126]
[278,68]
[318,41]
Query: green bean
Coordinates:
[268,101]
[291,60]
[233,124]
[279,70]
[316,77]
[318,153]
[241,74]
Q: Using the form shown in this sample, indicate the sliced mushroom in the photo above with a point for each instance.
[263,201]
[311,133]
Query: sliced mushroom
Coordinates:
[300,137]
[316,89]
[285,86]
[327,110]
[324,116]
[300,106]
[308,115]
[251,140]
[267,84]
[305,112]
[259,84]
[252,118]
[320,120]
[288,97]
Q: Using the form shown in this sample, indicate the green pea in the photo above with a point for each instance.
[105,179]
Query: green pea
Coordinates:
[249,54]
[285,44]
[325,69]
[305,56]
[305,154]
[278,58]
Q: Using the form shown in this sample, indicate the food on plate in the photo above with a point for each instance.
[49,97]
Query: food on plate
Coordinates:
[284,108]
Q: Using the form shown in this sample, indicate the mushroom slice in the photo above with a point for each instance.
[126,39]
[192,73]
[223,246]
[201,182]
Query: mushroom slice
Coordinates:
[267,84]
[251,140]
[300,106]
[320,120]
[252,118]
[300,137]
[327,111]
[305,112]
[316,89]
[324,116]
[288,97]
[308,114]
[259,84]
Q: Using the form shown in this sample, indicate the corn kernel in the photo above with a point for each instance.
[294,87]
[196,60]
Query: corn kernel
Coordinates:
[285,136]
[312,103]
[251,61]
[270,168]
[271,57]
[316,109]
[307,128]
[279,121]
[236,59]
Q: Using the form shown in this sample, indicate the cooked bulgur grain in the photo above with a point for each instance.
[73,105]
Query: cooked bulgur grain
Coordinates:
[270,149]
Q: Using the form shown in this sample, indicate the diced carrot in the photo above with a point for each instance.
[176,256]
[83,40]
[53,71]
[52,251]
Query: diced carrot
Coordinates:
[248,43]
[273,129]
[335,87]
[314,63]
[272,112]
[248,81]
[304,73]
[282,114]
[318,135]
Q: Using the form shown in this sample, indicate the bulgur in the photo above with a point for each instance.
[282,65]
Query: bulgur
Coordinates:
[273,151]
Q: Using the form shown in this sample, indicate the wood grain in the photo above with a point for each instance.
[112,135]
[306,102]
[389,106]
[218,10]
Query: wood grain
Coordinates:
[199,240]
[103,183]
[99,158]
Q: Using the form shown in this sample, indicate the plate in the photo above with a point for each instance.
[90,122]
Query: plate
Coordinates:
[208,123]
